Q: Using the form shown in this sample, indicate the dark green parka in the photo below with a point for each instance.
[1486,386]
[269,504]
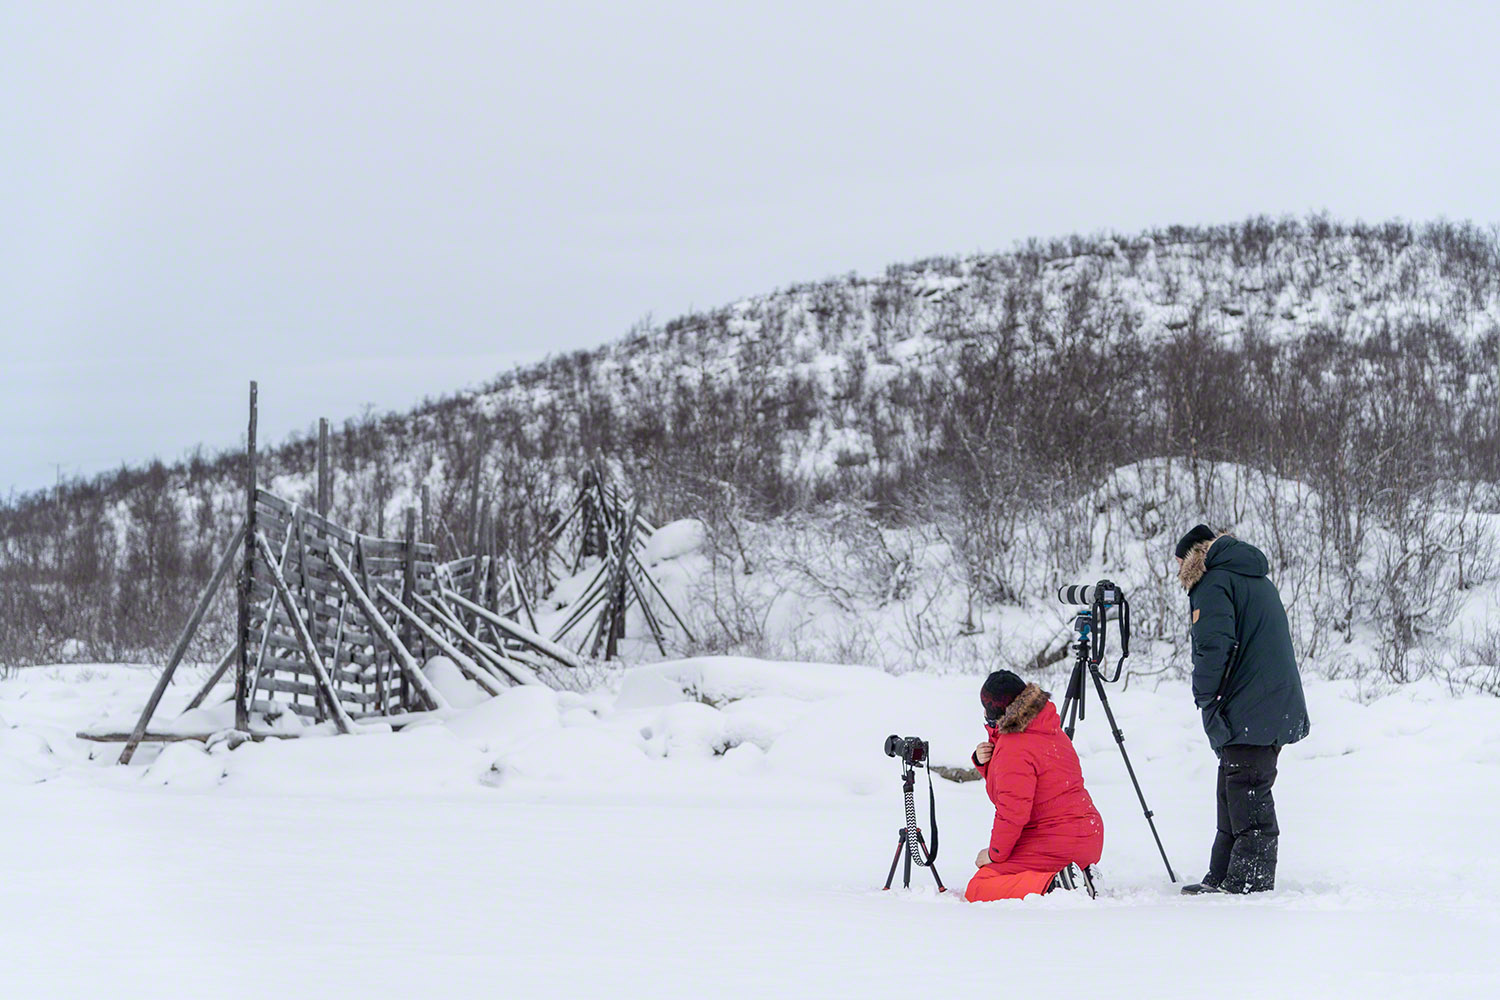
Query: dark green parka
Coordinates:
[1239,624]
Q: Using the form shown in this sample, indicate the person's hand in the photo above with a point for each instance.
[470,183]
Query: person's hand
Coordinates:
[984,751]
[983,858]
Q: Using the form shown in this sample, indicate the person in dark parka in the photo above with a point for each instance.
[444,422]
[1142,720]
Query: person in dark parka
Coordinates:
[1246,683]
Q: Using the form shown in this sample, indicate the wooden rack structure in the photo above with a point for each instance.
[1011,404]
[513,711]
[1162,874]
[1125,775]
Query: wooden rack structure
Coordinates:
[602,523]
[334,625]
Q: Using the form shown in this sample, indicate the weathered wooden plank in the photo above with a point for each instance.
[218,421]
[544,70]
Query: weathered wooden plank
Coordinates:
[311,690]
[358,646]
[303,709]
[109,737]
[184,637]
[296,665]
[382,547]
[288,509]
[335,707]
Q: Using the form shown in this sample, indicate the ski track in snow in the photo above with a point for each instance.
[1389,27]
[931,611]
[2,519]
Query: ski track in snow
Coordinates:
[547,845]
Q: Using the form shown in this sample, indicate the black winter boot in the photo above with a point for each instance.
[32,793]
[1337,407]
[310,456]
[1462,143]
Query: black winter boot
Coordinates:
[1207,887]
[1252,864]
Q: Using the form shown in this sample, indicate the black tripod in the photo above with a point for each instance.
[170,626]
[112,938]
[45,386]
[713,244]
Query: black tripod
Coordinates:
[1089,652]
[909,841]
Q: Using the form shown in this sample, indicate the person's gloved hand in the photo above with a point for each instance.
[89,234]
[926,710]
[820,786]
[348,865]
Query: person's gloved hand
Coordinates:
[984,751]
[983,858]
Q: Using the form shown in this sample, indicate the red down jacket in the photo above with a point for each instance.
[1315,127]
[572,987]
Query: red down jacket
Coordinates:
[1044,818]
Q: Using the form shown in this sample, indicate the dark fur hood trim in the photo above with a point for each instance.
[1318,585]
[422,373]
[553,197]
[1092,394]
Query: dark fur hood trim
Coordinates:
[1195,563]
[1026,707]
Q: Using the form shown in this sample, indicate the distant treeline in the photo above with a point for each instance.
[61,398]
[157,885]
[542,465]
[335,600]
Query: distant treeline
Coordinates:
[1359,359]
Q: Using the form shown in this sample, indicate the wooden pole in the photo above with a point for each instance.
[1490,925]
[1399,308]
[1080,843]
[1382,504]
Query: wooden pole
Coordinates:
[408,586]
[427,516]
[304,638]
[185,637]
[325,484]
[384,632]
[473,532]
[517,631]
[247,576]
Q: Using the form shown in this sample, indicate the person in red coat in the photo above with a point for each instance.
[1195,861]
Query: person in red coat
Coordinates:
[1044,818]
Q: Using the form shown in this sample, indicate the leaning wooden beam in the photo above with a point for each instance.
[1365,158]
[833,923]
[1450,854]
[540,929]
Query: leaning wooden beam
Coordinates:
[448,618]
[309,648]
[214,678]
[266,629]
[520,632]
[641,567]
[517,673]
[519,593]
[585,604]
[385,632]
[652,625]
[465,664]
[188,631]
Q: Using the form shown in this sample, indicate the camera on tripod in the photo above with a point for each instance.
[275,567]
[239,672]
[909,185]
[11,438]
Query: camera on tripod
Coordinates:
[1104,602]
[911,749]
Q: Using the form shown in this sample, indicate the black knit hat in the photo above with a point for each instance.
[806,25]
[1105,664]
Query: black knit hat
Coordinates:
[1200,533]
[1000,689]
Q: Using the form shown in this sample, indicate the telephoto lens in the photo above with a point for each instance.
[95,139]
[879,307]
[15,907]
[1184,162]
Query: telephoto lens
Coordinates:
[1075,595]
[1103,591]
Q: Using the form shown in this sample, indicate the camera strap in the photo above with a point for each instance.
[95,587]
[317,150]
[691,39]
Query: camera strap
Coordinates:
[932,816]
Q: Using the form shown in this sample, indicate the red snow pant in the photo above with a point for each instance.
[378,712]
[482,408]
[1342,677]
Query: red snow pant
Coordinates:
[1006,880]
[1029,871]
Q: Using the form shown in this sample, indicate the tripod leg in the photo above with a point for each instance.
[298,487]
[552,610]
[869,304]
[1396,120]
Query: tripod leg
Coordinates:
[922,843]
[1120,741]
[1072,706]
[900,847]
[906,865]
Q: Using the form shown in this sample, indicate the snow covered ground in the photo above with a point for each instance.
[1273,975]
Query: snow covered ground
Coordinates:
[719,827]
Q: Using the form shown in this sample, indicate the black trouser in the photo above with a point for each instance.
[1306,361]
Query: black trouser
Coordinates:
[1244,854]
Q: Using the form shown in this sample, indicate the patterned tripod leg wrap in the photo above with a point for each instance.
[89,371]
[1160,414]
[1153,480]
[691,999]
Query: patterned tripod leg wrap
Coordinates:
[911,831]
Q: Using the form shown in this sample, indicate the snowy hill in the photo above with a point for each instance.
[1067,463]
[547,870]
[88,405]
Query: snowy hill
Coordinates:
[984,403]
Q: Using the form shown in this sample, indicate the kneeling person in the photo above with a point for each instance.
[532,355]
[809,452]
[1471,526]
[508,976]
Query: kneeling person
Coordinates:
[1044,818]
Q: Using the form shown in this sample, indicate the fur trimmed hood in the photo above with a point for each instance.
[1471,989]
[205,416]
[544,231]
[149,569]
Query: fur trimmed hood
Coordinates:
[1225,552]
[1195,563]
[1023,710]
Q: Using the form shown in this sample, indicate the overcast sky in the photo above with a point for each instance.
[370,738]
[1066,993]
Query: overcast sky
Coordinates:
[369,203]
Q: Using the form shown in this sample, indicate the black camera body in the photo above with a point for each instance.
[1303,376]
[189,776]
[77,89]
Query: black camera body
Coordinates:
[911,749]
